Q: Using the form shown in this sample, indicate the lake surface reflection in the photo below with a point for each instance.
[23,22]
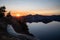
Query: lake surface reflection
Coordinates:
[50,31]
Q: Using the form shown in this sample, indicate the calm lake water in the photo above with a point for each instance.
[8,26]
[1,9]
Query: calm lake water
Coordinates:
[50,31]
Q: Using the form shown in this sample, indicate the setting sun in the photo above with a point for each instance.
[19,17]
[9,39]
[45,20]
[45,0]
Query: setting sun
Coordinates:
[17,15]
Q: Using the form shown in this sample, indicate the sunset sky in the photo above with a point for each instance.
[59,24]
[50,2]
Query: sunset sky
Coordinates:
[24,7]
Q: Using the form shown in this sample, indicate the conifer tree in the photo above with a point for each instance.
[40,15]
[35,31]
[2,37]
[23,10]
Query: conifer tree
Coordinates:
[8,14]
[2,11]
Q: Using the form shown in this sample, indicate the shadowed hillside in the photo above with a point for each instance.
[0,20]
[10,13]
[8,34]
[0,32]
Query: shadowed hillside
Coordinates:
[41,18]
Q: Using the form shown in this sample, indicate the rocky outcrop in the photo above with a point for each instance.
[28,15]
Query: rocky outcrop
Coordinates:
[11,29]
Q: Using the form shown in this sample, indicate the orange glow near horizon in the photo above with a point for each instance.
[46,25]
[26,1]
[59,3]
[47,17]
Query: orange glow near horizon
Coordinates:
[40,12]
[33,12]
[18,14]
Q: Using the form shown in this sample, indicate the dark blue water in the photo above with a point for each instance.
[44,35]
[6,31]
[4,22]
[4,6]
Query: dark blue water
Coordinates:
[50,31]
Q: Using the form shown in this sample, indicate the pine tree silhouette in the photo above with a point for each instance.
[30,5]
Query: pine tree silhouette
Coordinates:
[8,14]
[2,11]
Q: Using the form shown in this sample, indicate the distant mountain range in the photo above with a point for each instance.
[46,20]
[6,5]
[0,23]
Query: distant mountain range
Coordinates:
[40,18]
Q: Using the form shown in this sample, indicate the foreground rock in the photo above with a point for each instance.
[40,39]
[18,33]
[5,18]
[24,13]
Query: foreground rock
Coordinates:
[9,30]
